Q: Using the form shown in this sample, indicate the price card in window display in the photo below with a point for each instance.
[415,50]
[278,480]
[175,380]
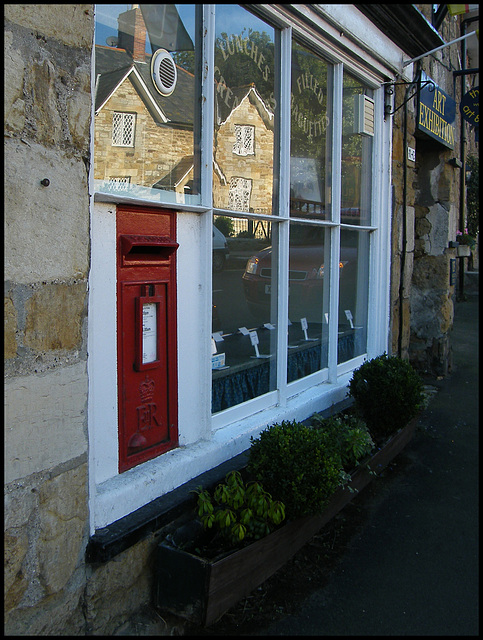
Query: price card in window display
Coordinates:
[348,314]
[254,340]
[304,325]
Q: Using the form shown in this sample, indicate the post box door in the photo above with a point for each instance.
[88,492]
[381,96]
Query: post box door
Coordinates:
[146,336]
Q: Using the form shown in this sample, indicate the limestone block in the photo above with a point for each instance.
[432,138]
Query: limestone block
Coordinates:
[10,327]
[79,112]
[72,24]
[45,420]
[118,588]
[41,86]
[63,527]
[46,228]
[15,580]
[431,273]
[14,73]
[447,313]
[60,615]
[54,317]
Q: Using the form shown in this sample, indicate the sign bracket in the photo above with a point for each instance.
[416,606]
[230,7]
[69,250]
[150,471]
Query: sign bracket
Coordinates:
[389,91]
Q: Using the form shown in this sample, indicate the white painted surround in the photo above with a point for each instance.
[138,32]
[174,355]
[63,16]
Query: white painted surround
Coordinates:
[205,440]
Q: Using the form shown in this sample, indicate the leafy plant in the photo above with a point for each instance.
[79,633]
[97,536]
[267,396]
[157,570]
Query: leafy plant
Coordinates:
[296,464]
[348,434]
[225,225]
[237,511]
[387,393]
[466,238]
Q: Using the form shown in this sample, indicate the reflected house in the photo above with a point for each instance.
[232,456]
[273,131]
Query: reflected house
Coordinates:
[243,162]
[145,139]
[141,137]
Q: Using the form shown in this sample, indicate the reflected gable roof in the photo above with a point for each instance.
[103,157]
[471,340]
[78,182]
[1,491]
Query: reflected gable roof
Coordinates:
[114,66]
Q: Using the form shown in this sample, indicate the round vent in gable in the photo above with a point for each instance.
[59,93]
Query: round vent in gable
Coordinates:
[163,72]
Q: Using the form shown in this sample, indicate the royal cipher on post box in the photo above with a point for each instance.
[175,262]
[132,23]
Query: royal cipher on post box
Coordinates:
[146,334]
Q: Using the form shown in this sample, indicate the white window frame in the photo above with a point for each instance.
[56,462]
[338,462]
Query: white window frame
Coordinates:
[207,440]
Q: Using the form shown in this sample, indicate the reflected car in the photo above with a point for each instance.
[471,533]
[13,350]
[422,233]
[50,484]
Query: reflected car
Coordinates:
[306,281]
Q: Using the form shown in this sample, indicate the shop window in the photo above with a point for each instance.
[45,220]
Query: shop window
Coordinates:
[353,294]
[147,98]
[123,129]
[244,300]
[310,135]
[245,140]
[244,75]
[244,317]
[356,168]
[308,282]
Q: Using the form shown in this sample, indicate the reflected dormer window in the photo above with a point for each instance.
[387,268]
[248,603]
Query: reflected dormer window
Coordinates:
[244,140]
[123,129]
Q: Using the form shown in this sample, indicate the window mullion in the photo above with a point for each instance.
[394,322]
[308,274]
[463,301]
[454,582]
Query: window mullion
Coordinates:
[337,82]
[207,101]
[283,208]
[205,17]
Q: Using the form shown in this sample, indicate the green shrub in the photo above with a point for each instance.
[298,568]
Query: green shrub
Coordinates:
[237,511]
[295,464]
[387,393]
[348,435]
[225,225]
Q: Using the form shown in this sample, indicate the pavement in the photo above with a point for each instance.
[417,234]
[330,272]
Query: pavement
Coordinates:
[411,566]
[413,569]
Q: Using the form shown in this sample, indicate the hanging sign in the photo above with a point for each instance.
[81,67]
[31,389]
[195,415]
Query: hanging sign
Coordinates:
[470,106]
[436,112]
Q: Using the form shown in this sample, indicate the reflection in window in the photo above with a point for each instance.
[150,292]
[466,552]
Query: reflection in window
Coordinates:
[353,294]
[308,300]
[243,313]
[244,108]
[245,140]
[123,129]
[357,135]
[146,115]
[310,135]
[239,196]
[120,183]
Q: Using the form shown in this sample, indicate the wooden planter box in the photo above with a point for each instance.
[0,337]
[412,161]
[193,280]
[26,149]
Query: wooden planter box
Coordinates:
[201,590]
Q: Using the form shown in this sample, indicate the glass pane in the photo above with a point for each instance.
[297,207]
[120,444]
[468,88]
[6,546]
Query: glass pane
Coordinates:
[308,300]
[357,136]
[244,123]
[244,310]
[353,294]
[310,136]
[146,126]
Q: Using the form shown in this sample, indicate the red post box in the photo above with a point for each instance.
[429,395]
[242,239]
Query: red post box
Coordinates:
[146,333]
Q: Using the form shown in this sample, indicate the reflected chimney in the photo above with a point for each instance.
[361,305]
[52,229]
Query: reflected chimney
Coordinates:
[132,33]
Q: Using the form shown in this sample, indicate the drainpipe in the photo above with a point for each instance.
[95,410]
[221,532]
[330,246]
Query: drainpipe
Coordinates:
[404,222]
[462,216]
[404,212]
[461,270]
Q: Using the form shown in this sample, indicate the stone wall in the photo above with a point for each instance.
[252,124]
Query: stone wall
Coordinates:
[47,138]
[422,227]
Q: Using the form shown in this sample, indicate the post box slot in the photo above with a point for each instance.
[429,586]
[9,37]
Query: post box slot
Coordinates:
[137,249]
